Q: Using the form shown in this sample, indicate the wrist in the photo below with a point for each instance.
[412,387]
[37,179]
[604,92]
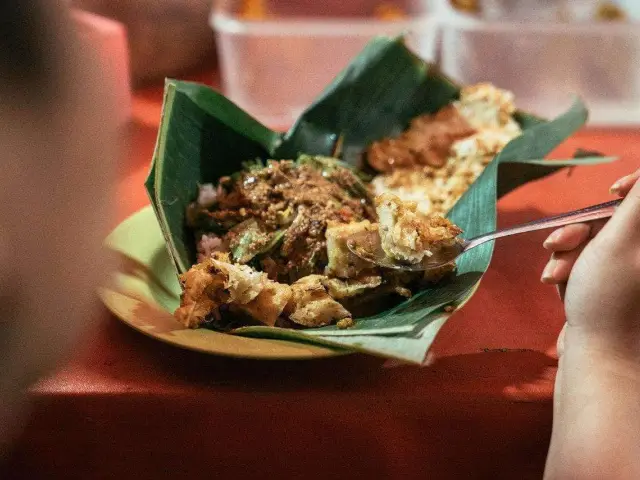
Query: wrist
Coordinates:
[602,352]
[596,405]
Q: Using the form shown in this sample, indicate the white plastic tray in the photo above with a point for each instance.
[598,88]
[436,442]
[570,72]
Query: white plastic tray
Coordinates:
[274,68]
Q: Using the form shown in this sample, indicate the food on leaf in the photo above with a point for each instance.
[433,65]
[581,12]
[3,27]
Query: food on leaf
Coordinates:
[486,111]
[341,289]
[279,212]
[215,282]
[341,262]
[409,236]
[311,305]
[271,239]
[205,138]
[426,143]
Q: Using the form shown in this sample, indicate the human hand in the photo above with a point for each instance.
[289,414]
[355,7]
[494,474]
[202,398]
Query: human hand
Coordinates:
[597,269]
[611,253]
[567,243]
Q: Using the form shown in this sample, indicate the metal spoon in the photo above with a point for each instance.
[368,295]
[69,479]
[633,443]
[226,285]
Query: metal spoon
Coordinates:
[366,245]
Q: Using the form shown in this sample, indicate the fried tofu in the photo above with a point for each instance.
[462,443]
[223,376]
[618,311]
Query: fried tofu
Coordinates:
[311,305]
[216,282]
[342,263]
[341,289]
[269,304]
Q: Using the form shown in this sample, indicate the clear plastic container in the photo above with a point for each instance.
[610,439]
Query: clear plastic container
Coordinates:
[274,67]
[544,64]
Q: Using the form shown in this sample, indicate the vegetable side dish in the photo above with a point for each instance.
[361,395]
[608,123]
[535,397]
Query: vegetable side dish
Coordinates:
[271,239]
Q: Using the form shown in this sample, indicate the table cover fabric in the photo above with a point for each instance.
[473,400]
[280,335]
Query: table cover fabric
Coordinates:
[126,406]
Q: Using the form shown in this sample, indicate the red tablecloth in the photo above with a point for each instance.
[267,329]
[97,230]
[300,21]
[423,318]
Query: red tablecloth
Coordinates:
[127,406]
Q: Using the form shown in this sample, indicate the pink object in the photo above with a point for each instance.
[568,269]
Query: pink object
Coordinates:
[108,39]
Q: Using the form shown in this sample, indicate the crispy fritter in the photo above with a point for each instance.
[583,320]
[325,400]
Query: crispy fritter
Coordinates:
[311,305]
[215,282]
[268,305]
[409,236]
[484,106]
[195,302]
[341,289]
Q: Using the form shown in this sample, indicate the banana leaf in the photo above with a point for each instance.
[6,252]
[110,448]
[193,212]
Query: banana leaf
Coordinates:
[204,136]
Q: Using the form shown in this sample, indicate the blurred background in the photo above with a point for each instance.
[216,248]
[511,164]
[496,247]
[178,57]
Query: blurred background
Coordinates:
[166,37]
[275,56]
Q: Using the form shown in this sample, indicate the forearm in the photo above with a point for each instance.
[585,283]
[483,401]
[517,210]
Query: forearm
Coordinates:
[596,430]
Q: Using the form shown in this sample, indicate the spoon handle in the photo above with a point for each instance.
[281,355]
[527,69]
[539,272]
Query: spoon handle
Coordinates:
[594,212]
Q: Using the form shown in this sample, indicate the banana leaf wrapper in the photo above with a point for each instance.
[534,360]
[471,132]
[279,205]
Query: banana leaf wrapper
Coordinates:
[204,136]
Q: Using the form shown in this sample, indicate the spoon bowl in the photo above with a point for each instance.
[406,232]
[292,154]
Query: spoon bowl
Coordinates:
[367,245]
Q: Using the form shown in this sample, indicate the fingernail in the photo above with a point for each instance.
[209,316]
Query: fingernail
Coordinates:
[547,273]
[551,239]
[615,188]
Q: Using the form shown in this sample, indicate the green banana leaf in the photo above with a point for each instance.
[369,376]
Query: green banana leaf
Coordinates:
[204,136]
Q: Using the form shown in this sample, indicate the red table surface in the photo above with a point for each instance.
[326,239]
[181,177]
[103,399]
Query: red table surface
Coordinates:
[127,406]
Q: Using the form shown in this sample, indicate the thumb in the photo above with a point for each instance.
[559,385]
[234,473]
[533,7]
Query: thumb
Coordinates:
[622,186]
[625,222]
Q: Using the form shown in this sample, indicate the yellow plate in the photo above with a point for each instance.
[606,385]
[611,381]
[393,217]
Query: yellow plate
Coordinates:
[138,297]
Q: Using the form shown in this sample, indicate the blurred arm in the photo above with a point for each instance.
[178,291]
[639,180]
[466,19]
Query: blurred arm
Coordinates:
[57,145]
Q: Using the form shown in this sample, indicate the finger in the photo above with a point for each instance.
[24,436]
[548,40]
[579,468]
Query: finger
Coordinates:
[622,186]
[596,226]
[560,265]
[568,237]
[625,222]
[564,262]
[561,284]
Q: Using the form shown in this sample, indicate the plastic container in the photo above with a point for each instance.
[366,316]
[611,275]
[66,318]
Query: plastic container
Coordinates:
[545,63]
[274,67]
